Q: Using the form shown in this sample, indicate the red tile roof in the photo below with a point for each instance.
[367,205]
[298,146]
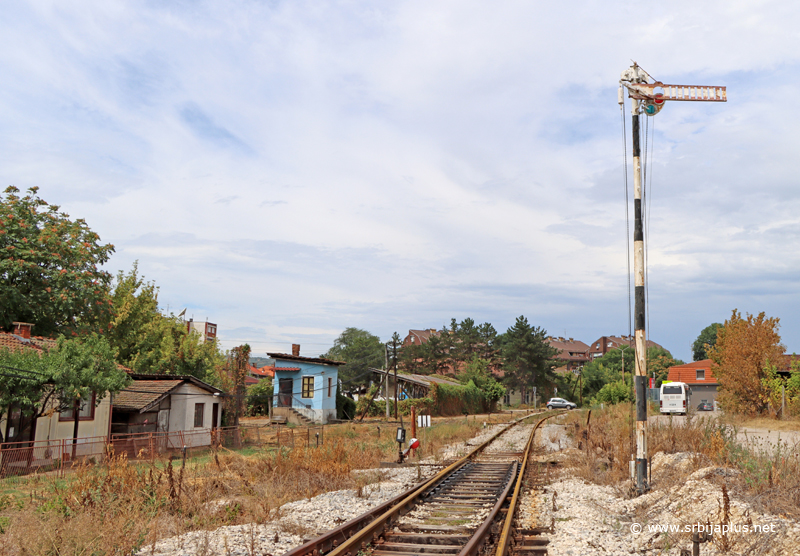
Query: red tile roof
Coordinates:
[12,342]
[688,373]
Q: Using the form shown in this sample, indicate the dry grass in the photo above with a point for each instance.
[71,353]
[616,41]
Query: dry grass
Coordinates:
[761,423]
[123,506]
[768,474]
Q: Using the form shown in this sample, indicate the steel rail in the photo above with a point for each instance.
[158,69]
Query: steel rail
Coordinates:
[505,535]
[356,533]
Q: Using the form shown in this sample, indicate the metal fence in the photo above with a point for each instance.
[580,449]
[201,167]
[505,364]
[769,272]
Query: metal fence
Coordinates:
[57,456]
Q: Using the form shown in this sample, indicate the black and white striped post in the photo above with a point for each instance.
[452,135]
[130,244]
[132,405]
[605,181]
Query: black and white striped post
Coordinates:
[640,335]
[648,98]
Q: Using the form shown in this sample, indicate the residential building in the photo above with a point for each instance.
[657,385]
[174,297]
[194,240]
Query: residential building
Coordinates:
[700,378]
[572,354]
[207,330]
[305,387]
[419,337]
[606,343]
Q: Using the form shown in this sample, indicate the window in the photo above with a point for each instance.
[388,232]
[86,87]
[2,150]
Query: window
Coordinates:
[330,386]
[308,386]
[85,413]
[701,374]
[671,390]
[199,410]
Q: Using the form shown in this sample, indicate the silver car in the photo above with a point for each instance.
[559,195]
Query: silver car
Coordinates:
[560,403]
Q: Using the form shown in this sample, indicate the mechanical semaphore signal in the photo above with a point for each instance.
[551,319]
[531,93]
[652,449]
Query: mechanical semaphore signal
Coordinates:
[648,98]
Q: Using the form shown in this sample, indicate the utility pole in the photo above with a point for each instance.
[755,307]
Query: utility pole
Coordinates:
[395,340]
[648,98]
[386,370]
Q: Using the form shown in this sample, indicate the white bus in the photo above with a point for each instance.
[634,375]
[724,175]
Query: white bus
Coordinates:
[675,397]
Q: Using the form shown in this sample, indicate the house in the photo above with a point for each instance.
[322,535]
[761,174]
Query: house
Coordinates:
[606,343]
[305,387]
[168,404]
[93,420]
[572,354]
[700,378]
[419,337]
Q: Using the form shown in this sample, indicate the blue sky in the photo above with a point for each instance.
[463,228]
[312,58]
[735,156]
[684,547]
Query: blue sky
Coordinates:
[289,169]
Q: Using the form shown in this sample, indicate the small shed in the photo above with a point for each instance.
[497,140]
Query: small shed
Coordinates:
[180,406]
[408,385]
[305,388]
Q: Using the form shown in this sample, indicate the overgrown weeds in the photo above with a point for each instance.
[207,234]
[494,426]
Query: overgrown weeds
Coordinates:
[122,506]
[766,474]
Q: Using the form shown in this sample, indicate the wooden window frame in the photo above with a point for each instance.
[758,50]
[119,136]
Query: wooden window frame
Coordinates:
[202,407]
[330,386]
[68,416]
[307,391]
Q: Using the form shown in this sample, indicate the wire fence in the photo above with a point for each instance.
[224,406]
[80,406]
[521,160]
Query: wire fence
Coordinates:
[56,457]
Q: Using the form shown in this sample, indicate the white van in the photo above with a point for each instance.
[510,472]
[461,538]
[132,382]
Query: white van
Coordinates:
[675,397]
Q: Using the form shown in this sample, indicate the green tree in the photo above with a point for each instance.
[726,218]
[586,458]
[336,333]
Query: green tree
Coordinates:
[529,359]
[259,397]
[707,339]
[615,392]
[360,350]
[49,273]
[478,371]
[659,360]
[148,341]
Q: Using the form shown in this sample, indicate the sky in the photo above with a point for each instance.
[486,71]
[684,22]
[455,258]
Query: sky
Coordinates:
[290,169]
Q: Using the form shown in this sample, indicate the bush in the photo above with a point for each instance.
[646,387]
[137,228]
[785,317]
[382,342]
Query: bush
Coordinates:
[345,407]
[378,407]
[457,400]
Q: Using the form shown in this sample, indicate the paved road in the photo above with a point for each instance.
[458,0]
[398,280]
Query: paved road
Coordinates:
[753,436]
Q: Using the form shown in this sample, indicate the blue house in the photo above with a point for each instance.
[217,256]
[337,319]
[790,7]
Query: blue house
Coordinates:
[305,387]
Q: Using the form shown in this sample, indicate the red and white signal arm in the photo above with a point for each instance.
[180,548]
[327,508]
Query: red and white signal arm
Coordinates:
[414,444]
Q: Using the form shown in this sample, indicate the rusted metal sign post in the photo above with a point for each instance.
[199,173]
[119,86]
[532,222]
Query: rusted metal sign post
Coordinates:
[648,98]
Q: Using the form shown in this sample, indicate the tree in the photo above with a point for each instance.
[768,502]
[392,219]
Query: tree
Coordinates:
[259,397]
[529,359]
[615,392]
[148,341]
[66,378]
[744,350]
[49,271]
[705,340]
[659,360]
[360,350]
[478,371]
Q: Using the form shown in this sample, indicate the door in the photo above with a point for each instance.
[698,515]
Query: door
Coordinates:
[285,386]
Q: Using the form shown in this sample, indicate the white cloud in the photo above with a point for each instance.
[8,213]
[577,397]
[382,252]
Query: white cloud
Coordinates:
[299,167]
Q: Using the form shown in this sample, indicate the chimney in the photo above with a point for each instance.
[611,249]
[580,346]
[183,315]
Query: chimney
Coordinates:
[23,329]
[296,349]
[571,339]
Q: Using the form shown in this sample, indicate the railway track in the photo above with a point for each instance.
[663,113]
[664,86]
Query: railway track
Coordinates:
[466,509]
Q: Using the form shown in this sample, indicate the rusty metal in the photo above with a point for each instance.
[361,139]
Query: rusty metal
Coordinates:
[374,526]
[505,535]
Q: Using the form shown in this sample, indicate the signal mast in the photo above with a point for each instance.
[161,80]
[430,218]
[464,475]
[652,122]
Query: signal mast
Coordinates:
[648,98]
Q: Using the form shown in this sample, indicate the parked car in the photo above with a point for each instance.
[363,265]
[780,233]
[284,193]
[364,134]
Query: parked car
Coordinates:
[705,406]
[560,403]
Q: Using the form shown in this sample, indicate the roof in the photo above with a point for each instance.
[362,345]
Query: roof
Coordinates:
[17,343]
[569,349]
[422,380]
[141,395]
[265,371]
[617,341]
[147,391]
[688,373]
[422,335]
[300,358]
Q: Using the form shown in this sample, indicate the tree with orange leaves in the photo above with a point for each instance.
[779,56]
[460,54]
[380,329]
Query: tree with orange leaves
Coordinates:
[745,348]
